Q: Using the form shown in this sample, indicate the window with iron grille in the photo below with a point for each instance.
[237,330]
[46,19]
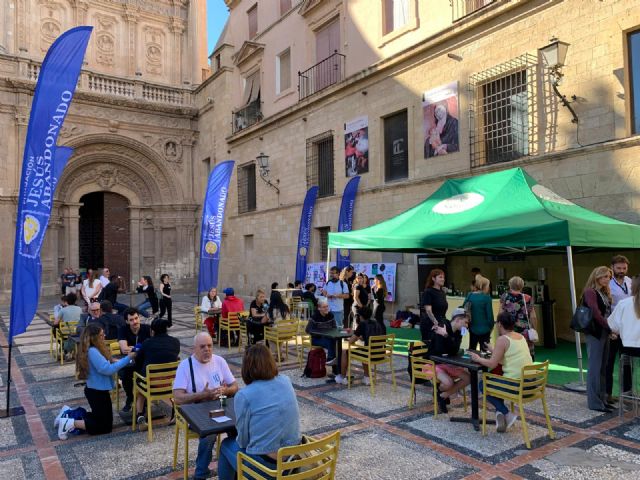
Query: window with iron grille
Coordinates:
[502,112]
[323,241]
[462,8]
[247,188]
[320,163]
[396,147]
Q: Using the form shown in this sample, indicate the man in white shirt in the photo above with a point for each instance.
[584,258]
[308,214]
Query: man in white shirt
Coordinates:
[336,291]
[620,286]
[202,377]
[104,278]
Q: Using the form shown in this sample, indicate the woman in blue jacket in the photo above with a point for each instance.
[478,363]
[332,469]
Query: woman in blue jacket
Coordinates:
[94,365]
[267,416]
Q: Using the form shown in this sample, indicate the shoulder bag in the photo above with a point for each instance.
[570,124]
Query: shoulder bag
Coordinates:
[532,333]
[582,320]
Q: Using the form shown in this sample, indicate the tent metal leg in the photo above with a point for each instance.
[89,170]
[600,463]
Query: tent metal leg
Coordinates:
[326,272]
[575,386]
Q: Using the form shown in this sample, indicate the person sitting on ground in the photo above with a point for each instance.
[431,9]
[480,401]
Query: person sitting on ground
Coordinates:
[211,306]
[366,327]
[230,304]
[267,414]
[159,348]
[512,352]
[258,316]
[445,339]
[110,292]
[322,319]
[130,335]
[202,377]
[111,322]
[93,365]
[145,285]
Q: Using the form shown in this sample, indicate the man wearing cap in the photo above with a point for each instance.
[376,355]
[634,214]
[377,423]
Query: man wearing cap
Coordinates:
[445,338]
[231,303]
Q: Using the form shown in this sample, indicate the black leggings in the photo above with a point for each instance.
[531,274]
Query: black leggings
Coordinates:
[100,419]
[166,306]
[474,340]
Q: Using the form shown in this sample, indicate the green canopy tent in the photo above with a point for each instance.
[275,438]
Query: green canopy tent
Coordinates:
[501,212]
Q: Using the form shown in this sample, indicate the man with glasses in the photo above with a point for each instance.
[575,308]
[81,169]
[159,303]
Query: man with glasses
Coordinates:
[95,312]
[336,291]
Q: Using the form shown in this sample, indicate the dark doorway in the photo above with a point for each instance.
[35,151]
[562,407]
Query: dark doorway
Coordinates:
[104,232]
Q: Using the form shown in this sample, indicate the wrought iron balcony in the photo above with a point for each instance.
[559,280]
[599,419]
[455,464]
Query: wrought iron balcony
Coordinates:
[322,75]
[247,116]
[462,8]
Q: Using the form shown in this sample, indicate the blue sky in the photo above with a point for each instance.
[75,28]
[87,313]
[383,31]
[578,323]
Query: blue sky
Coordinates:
[216,16]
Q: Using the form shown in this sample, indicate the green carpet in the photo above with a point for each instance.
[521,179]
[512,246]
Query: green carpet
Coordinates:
[563,367]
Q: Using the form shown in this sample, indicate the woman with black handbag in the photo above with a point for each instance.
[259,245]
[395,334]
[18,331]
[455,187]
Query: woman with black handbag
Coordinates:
[597,296]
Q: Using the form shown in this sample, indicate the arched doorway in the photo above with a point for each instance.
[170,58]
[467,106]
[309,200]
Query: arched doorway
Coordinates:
[104,236]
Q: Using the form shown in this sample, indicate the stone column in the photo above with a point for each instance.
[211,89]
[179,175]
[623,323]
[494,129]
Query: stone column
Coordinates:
[71,220]
[135,243]
[157,250]
[22,25]
[80,9]
[131,14]
[177,28]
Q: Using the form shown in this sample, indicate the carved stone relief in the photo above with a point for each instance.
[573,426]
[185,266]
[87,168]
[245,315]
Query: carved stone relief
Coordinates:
[106,176]
[51,23]
[105,39]
[154,50]
[70,130]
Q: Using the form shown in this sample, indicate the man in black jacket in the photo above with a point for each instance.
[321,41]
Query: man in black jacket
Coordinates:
[111,322]
[445,338]
[160,348]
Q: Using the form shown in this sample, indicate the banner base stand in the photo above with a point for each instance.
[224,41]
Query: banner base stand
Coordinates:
[576,386]
[13,412]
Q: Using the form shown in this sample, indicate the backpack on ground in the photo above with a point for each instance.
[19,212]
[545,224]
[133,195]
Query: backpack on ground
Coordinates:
[411,348]
[316,360]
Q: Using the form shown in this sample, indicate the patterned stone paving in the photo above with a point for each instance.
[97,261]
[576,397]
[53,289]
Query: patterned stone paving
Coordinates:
[381,437]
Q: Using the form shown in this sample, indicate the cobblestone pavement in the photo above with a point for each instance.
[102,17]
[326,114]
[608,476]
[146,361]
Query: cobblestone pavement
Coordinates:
[381,437]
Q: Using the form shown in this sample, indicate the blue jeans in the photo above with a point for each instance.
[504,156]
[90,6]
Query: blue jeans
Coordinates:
[228,461]
[498,403]
[142,308]
[205,454]
[339,318]
[327,343]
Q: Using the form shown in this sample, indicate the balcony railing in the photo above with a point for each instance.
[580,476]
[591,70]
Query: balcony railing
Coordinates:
[247,116]
[322,75]
[462,8]
[118,87]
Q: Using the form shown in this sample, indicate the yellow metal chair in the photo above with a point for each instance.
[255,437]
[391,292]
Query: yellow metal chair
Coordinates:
[52,335]
[198,318]
[529,388]
[379,350]
[231,324]
[282,333]
[313,459]
[183,426]
[304,340]
[426,370]
[157,384]
[114,346]
[65,329]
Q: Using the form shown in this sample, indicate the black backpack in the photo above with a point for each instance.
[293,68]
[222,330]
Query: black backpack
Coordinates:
[373,328]
[419,349]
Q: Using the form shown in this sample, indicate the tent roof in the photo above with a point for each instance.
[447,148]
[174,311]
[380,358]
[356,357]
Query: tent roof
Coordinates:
[506,211]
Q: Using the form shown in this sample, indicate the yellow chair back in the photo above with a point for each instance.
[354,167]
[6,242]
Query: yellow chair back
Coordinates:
[198,317]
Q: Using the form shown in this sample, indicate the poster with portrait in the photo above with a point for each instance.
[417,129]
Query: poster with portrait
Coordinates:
[440,116]
[356,146]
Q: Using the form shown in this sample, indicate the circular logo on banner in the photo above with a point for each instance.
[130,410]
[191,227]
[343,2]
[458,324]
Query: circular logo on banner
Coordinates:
[303,251]
[344,252]
[458,203]
[210,247]
[30,228]
[545,194]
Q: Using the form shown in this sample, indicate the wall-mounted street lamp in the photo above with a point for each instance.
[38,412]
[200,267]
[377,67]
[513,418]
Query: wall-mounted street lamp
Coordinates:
[263,164]
[553,57]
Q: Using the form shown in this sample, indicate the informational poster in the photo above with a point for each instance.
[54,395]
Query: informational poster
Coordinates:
[356,146]
[316,275]
[440,114]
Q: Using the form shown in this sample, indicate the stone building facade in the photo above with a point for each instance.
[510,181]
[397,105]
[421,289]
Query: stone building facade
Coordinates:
[133,125]
[383,57]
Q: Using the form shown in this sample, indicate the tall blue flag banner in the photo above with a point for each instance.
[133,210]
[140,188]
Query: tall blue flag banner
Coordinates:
[215,202]
[304,234]
[346,218]
[42,166]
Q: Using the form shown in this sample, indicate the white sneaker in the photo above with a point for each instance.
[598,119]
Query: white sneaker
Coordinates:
[366,380]
[510,419]
[64,427]
[142,423]
[331,362]
[342,380]
[501,424]
[63,410]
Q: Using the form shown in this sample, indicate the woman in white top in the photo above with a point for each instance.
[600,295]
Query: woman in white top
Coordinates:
[211,306]
[624,321]
[91,286]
